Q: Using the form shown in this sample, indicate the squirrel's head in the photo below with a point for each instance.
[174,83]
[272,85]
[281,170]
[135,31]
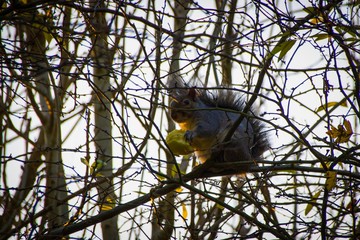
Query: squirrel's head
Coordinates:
[182,107]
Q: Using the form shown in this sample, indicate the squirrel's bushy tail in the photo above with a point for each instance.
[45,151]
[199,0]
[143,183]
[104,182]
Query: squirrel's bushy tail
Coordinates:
[261,143]
[228,99]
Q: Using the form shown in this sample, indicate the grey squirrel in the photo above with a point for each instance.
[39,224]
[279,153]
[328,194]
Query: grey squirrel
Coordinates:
[207,118]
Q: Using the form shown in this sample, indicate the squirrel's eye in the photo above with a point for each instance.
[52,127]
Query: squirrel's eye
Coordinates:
[186,102]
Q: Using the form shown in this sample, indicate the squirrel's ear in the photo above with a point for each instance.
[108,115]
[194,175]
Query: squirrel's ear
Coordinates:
[192,93]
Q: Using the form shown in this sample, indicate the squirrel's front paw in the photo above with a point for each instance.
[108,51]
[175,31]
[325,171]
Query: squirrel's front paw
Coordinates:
[189,135]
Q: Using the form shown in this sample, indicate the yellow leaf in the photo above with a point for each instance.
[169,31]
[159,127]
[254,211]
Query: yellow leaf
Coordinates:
[161,178]
[331,104]
[177,144]
[287,171]
[333,132]
[348,127]
[110,200]
[330,180]
[106,207]
[316,20]
[179,190]
[312,202]
[99,175]
[342,133]
[85,161]
[108,204]
[219,206]
[184,210]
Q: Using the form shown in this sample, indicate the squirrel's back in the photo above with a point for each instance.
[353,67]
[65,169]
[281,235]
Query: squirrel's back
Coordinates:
[227,99]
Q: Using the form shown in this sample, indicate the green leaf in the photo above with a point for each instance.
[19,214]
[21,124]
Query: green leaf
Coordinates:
[320,36]
[312,202]
[140,192]
[286,171]
[276,49]
[351,39]
[44,30]
[283,48]
[278,36]
[310,10]
[287,46]
[174,171]
[348,30]
[97,166]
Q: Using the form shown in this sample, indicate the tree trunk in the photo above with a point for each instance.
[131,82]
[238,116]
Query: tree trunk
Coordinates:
[48,108]
[102,57]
